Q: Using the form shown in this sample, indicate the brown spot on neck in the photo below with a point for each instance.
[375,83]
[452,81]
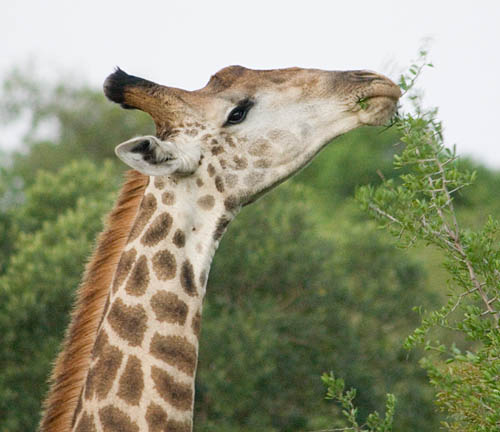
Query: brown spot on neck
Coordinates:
[196,323]
[240,162]
[177,394]
[158,230]
[159,182]
[86,424]
[139,279]
[187,278]
[129,322]
[168,198]
[217,150]
[132,382]
[222,224]
[164,265]
[148,207]
[206,202]
[231,203]
[179,238]
[177,426]
[219,184]
[115,420]
[176,351]
[156,418]
[123,268]
[169,308]
[102,375]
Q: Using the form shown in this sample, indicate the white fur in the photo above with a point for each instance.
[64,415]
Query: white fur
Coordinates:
[173,157]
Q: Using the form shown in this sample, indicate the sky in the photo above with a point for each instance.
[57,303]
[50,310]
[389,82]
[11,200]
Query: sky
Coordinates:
[182,43]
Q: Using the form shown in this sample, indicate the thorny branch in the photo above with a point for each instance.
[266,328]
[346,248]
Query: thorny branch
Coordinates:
[451,237]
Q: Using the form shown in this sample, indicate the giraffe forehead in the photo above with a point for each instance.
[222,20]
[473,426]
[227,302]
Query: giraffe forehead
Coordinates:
[239,76]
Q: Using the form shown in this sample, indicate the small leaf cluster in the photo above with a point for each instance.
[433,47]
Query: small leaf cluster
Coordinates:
[374,423]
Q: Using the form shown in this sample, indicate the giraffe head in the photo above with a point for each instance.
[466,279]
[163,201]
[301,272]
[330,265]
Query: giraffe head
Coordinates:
[252,128]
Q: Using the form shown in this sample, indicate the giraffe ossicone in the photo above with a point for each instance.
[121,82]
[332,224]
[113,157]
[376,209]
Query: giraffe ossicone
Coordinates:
[130,363]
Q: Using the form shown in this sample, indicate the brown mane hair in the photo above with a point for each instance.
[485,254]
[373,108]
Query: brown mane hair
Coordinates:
[72,364]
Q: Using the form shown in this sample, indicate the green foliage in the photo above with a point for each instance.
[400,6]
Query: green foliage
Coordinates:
[374,423]
[420,207]
[36,290]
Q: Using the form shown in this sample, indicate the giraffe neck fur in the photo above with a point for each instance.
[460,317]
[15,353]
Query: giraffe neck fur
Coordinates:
[144,361]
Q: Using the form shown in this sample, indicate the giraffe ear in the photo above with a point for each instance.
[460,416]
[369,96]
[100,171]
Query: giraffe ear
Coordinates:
[151,156]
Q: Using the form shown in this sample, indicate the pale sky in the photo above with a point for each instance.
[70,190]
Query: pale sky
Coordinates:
[181,43]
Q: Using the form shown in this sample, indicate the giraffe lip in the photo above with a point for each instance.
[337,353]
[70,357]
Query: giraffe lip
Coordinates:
[376,110]
[389,90]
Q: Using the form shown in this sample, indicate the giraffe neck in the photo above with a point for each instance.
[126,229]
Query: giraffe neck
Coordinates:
[143,366]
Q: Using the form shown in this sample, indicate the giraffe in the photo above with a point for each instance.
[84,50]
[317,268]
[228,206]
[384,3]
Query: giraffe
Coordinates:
[130,354]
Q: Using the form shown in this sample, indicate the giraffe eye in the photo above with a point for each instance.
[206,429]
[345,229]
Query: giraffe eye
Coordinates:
[238,114]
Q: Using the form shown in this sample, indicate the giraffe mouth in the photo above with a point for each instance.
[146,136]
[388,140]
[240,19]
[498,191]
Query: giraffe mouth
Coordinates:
[377,110]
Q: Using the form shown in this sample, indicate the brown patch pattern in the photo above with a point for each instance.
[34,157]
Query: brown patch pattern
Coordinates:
[177,426]
[210,170]
[168,198]
[115,420]
[203,277]
[123,268]
[132,382]
[219,184]
[206,202]
[229,140]
[148,207]
[158,230]
[179,238]
[129,322]
[100,342]
[222,224]
[156,417]
[187,278]
[196,324]
[102,375]
[139,279]
[164,265]
[157,420]
[168,307]
[159,182]
[231,203]
[177,394]
[86,424]
[199,182]
[217,150]
[176,351]
[240,162]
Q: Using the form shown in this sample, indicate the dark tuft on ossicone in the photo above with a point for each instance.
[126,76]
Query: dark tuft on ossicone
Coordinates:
[115,85]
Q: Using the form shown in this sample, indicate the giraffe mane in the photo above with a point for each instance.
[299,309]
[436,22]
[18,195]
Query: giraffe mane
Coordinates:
[73,361]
